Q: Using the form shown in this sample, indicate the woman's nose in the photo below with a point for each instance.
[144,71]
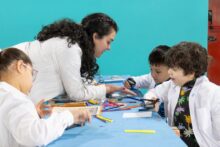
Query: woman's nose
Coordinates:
[108,48]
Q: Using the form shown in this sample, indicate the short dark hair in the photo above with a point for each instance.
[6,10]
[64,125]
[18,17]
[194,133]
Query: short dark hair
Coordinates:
[189,56]
[7,56]
[157,56]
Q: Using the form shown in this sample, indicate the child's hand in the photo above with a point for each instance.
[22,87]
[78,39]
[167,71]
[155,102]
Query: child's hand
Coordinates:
[152,103]
[156,106]
[43,109]
[130,83]
[127,85]
[176,131]
[81,116]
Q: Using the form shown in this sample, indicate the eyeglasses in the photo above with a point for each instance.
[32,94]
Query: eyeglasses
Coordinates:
[33,71]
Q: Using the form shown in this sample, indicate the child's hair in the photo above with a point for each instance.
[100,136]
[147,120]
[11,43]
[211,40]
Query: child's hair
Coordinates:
[7,56]
[189,56]
[157,56]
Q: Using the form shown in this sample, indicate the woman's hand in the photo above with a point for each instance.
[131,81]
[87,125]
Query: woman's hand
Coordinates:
[114,88]
[43,109]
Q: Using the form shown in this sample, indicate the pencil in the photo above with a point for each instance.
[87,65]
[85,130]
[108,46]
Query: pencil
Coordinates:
[130,107]
[116,109]
[140,131]
[103,118]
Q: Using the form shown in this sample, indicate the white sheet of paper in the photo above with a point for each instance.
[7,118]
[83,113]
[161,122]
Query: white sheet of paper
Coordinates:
[137,114]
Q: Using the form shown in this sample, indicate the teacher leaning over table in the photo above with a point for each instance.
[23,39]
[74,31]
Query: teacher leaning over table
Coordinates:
[64,54]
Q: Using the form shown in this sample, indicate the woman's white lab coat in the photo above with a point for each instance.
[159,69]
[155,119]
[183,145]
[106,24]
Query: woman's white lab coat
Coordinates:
[20,124]
[204,104]
[58,69]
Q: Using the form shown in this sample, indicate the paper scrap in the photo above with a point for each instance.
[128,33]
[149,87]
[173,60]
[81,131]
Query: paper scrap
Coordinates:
[137,114]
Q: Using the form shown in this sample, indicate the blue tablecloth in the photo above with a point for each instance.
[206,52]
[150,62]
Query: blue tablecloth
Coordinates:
[100,134]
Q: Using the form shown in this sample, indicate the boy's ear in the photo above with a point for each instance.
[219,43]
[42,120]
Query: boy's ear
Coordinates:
[192,75]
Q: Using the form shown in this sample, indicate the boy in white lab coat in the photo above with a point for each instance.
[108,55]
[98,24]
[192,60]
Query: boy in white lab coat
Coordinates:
[191,100]
[20,123]
[158,73]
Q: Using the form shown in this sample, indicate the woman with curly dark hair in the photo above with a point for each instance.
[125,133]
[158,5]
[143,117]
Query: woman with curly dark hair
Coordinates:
[64,53]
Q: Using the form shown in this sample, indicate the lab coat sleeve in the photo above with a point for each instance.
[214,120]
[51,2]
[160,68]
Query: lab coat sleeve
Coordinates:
[28,129]
[161,91]
[216,115]
[69,61]
[144,81]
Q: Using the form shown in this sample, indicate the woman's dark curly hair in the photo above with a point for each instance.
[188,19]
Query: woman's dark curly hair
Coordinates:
[82,34]
[189,56]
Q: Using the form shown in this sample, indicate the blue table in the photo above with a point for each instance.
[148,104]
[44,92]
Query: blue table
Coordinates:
[100,134]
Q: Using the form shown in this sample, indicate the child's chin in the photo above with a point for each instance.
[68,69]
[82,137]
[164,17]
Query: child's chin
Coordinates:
[178,84]
[175,82]
[156,81]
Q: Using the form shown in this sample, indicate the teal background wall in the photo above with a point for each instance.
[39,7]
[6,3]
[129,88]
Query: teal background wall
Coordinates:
[143,24]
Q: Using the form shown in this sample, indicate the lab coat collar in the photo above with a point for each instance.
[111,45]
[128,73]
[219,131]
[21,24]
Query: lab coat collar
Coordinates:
[9,88]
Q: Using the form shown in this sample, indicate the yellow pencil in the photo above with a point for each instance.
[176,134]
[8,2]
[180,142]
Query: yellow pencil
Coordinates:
[104,118]
[94,102]
[140,131]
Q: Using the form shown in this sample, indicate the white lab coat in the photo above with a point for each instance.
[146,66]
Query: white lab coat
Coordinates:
[144,81]
[58,69]
[20,124]
[204,104]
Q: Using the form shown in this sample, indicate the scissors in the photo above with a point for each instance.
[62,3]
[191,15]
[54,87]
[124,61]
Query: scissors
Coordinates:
[152,101]
[150,105]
